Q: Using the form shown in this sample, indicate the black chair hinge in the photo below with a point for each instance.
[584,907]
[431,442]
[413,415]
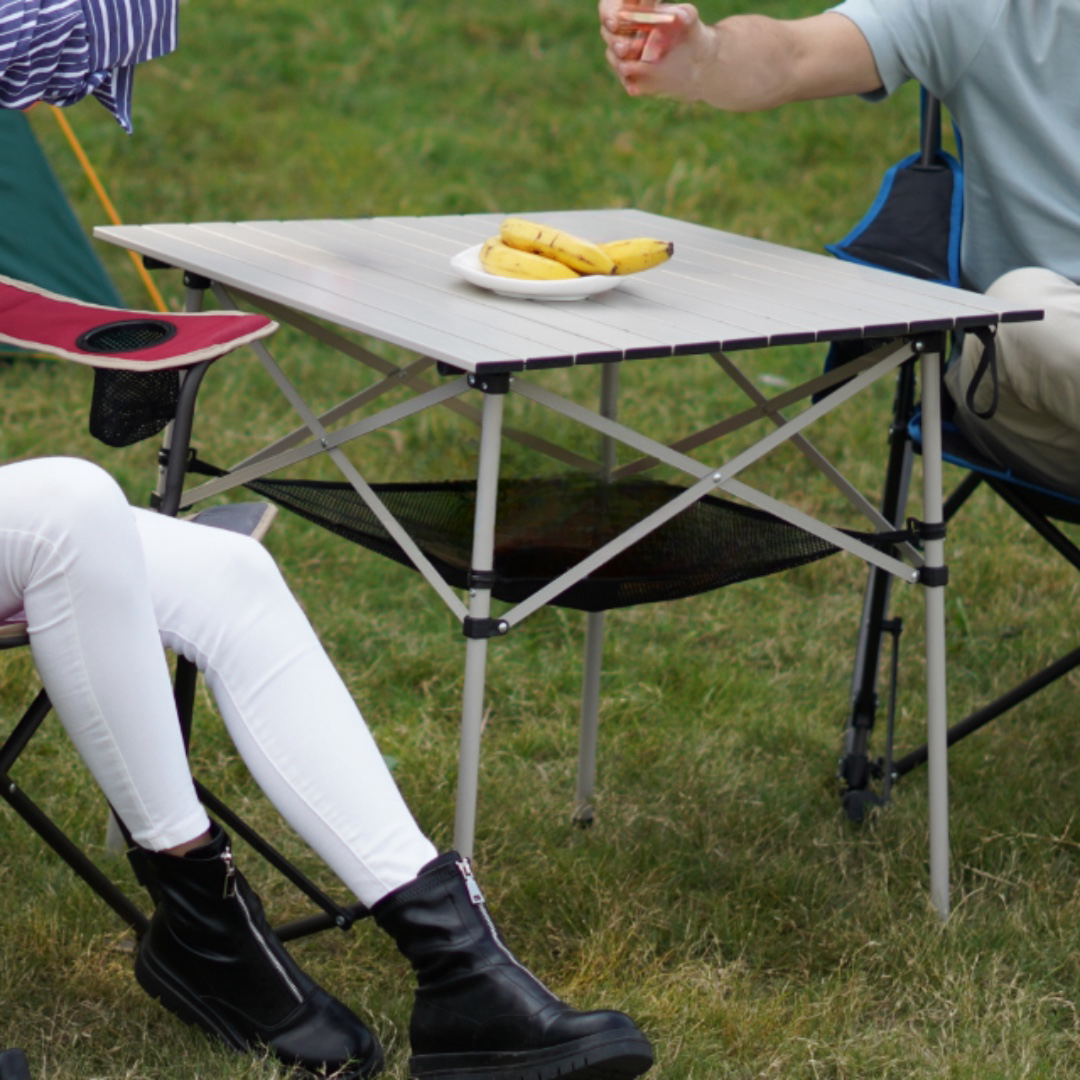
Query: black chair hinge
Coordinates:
[163,457]
[926,530]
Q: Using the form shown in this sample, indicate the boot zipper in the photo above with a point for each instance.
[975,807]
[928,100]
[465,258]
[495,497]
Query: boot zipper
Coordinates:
[230,874]
[477,897]
[471,886]
[231,891]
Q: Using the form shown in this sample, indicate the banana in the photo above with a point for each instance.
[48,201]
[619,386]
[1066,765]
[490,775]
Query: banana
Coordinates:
[641,253]
[581,255]
[505,261]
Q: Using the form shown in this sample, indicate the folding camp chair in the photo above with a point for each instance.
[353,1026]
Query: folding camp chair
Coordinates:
[931,203]
[148,368]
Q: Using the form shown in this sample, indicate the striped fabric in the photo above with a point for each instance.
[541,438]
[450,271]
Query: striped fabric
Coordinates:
[59,51]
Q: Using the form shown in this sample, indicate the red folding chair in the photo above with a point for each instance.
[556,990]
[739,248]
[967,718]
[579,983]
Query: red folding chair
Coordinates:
[133,349]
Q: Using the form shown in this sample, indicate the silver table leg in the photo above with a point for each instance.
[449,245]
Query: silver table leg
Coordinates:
[483,557]
[584,811]
[936,725]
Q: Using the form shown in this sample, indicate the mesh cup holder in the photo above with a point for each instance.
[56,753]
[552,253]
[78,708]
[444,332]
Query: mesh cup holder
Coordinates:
[129,406]
[546,526]
[126,335]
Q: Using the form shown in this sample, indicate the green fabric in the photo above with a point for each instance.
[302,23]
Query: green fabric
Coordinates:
[41,240]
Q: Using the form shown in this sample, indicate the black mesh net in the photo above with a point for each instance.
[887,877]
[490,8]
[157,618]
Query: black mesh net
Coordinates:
[546,526]
[129,406]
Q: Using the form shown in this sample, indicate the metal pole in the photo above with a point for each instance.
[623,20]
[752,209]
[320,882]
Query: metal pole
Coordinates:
[483,557]
[936,719]
[594,629]
[194,292]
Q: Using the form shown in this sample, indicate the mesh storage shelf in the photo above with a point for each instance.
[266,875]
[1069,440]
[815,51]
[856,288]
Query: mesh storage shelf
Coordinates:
[546,526]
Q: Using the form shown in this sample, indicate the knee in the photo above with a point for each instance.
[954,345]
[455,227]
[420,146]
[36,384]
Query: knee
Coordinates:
[1039,289]
[1022,284]
[1039,357]
[79,491]
[238,565]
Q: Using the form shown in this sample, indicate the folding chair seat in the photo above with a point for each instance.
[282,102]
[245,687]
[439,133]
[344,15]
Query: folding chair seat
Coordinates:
[148,367]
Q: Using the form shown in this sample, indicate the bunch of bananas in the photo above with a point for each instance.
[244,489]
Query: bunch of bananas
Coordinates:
[526,249]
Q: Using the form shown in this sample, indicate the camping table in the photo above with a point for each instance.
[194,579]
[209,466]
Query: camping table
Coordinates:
[390,279]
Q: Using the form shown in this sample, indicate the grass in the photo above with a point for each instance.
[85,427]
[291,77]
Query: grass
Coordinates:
[721,897]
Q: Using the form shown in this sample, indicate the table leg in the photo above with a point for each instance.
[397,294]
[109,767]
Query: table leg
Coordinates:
[594,628]
[483,558]
[936,722]
[590,717]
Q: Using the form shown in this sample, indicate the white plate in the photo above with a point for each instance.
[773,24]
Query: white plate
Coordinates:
[467,264]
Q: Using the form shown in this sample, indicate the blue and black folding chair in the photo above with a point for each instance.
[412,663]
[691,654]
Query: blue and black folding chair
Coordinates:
[914,227]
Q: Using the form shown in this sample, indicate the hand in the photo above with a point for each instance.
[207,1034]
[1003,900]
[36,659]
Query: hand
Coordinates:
[744,62]
[642,61]
[625,41]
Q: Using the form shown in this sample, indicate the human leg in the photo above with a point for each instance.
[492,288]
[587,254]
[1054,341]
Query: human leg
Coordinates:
[222,603]
[71,559]
[1036,427]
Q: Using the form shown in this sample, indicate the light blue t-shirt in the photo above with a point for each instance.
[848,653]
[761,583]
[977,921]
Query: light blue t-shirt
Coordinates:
[1009,73]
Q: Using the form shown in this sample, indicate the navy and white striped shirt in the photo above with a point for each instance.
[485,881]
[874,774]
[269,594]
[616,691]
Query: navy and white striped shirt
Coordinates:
[58,51]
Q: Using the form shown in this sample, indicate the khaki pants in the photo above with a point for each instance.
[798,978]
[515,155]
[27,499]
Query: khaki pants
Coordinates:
[1036,429]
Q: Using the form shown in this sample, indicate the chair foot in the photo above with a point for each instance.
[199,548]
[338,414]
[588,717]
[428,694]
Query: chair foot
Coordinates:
[860,804]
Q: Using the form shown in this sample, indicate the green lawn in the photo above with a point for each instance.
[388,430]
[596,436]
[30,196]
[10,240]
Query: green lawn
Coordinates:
[721,897]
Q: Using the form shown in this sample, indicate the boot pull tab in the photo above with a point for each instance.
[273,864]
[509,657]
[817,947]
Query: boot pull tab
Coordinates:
[230,873]
[475,895]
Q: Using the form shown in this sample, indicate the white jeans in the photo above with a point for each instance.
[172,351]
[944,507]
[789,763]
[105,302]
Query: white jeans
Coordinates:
[104,585]
[1036,429]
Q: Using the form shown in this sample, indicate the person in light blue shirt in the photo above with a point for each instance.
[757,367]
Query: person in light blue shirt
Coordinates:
[1006,70]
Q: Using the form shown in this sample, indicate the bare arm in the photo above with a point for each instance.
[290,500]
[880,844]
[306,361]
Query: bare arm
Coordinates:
[746,62]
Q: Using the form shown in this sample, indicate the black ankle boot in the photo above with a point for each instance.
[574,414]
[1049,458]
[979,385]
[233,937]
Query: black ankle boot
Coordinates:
[479,1014]
[211,957]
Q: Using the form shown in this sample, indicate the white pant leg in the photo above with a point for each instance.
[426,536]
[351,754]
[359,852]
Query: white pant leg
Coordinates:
[71,558]
[1036,429]
[221,601]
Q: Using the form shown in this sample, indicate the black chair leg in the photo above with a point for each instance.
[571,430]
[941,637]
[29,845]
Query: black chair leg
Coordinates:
[857,770]
[43,825]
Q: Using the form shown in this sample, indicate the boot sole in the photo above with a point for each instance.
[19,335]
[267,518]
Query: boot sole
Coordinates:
[597,1057]
[175,997]
[185,1006]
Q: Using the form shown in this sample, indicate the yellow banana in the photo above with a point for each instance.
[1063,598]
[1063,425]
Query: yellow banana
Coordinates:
[641,253]
[581,255]
[505,261]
